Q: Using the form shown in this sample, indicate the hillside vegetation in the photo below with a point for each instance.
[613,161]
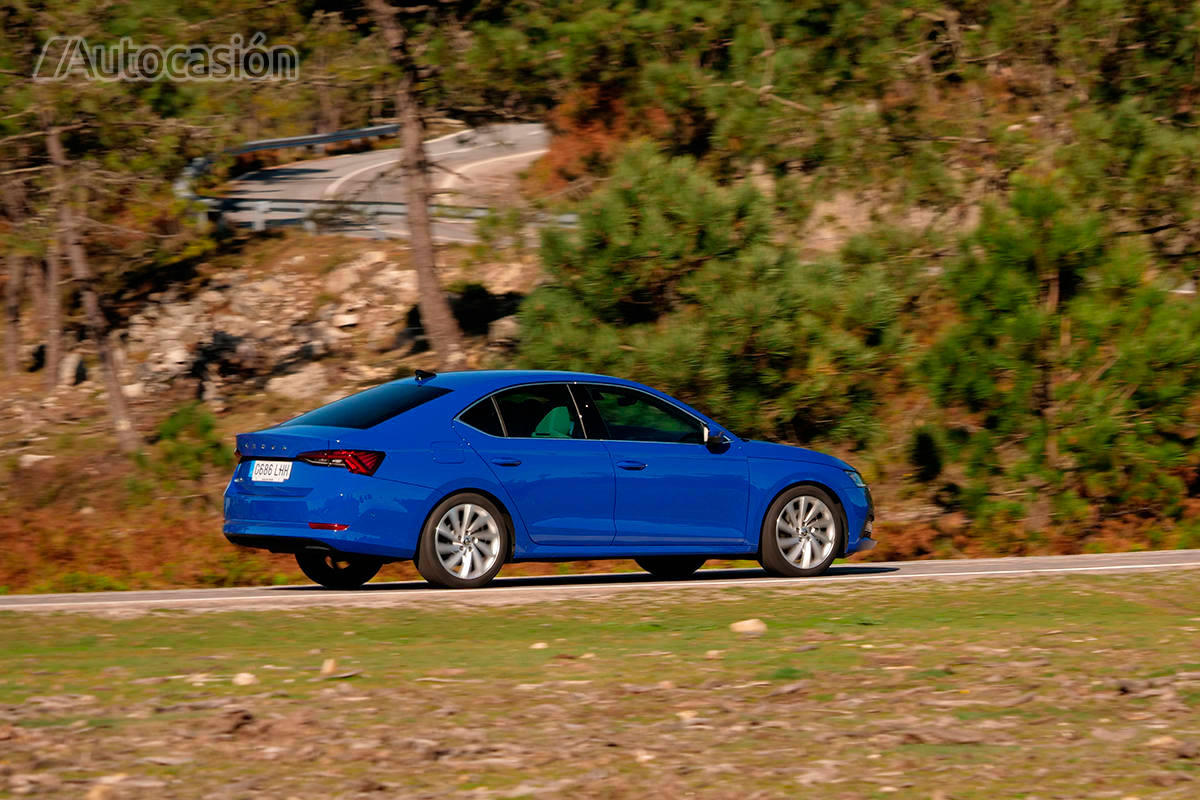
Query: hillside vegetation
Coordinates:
[959,241]
[955,243]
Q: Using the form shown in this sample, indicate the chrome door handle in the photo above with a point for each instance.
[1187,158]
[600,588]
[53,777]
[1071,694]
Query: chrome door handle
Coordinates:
[631,465]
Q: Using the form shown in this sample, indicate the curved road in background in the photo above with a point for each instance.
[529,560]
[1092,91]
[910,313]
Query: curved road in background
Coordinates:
[374,176]
[566,587]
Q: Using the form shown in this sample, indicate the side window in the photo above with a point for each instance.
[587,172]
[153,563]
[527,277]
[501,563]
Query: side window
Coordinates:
[635,416]
[544,411]
[482,416]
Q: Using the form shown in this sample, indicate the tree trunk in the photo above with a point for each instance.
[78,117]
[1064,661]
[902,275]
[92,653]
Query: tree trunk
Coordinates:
[94,320]
[12,313]
[14,208]
[436,317]
[35,275]
[52,312]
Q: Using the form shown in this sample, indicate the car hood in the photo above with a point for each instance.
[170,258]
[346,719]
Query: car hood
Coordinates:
[784,452]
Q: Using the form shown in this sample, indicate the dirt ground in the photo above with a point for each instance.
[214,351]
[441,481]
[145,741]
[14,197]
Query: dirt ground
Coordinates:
[1084,686]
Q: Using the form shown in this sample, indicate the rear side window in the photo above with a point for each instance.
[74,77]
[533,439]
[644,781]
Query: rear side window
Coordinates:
[368,409]
[545,411]
[482,416]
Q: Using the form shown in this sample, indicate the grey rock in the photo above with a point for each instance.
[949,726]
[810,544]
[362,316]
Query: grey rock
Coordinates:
[270,287]
[176,356]
[749,627]
[307,382]
[504,332]
[71,370]
[27,460]
[402,283]
[342,279]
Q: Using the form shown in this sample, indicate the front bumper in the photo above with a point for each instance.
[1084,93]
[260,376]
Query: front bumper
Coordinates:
[865,540]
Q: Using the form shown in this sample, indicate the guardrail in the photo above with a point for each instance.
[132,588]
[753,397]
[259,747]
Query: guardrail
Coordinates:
[201,164]
[270,212]
[314,138]
[313,213]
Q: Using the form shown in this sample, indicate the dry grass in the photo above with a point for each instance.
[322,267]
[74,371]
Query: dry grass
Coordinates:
[1085,686]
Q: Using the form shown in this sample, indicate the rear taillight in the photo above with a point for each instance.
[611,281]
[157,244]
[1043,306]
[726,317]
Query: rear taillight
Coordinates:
[360,462]
[237,456]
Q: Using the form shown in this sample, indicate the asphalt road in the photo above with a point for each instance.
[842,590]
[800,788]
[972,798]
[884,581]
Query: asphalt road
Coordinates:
[465,164]
[566,587]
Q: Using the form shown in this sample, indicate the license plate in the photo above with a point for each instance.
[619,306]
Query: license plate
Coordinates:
[271,471]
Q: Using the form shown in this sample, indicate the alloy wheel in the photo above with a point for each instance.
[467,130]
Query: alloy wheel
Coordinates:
[806,531]
[468,540]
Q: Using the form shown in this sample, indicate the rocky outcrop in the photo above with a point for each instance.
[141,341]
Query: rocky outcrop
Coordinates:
[270,329]
[273,331]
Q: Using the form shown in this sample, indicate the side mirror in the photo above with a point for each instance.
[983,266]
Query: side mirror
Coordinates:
[715,441]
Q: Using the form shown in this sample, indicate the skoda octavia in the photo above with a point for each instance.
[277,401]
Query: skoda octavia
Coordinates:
[464,471]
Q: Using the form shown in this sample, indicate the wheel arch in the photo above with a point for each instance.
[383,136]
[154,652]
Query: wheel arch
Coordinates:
[840,510]
[508,518]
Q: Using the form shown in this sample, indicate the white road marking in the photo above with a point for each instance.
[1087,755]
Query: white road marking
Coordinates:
[453,178]
[332,189]
[445,136]
[276,595]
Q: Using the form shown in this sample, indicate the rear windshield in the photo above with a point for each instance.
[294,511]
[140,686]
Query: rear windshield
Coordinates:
[368,409]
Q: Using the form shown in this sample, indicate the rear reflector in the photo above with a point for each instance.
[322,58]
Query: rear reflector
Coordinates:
[327,526]
[360,462]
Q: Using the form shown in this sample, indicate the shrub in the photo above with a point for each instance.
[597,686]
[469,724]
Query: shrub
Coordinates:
[1082,371]
[676,280]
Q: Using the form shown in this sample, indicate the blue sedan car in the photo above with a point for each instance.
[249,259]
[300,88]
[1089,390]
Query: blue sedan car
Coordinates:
[464,471]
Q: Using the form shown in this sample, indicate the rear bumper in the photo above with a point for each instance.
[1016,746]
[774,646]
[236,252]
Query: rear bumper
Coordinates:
[283,537]
[378,517]
[278,544]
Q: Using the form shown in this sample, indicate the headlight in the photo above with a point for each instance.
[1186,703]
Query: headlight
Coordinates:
[856,479]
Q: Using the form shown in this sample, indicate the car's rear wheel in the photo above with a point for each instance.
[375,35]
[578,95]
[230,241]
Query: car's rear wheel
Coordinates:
[801,534]
[670,568]
[464,542]
[337,570]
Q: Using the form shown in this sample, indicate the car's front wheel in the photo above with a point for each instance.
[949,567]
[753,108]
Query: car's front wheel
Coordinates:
[801,534]
[464,542]
[337,570]
[670,568]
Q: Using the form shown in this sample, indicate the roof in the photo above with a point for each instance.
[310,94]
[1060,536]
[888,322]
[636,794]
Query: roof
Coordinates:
[488,379]
[478,383]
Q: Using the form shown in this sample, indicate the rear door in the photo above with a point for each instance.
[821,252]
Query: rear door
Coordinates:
[534,442]
[671,491]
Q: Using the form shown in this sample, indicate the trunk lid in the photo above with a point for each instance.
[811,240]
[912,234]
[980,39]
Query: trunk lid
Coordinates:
[280,445]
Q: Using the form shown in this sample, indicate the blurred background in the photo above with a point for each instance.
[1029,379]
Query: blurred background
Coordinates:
[954,243]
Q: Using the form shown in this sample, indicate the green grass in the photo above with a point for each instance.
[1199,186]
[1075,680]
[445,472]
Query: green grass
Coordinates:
[972,688]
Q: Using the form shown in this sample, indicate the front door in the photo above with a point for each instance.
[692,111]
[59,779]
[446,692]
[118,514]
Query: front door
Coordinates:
[671,490]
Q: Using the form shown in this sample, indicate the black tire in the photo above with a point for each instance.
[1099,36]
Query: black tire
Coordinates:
[430,563]
[771,554]
[670,568]
[337,570]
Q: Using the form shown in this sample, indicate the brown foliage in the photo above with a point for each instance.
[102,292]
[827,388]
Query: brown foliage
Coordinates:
[588,127]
